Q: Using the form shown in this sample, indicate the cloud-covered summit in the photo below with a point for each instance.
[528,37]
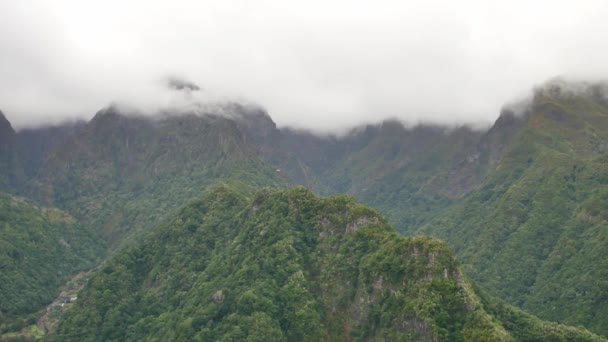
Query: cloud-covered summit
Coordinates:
[176,83]
[323,65]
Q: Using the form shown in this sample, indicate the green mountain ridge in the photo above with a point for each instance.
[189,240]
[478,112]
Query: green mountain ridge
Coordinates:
[120,172]
[286,265]
[521,204]
[409,173]
[535,232]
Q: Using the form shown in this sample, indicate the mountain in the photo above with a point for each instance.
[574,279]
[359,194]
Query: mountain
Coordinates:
[23,153]
[535,232]
[112,176]
[35,144]
[40,248]
[287,265]
[121,172]
[521,204]
[409,173]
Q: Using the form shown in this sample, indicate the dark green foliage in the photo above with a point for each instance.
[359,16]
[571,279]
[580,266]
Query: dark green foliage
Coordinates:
[407,173]
[39,249]
[527,328]
[116,175]
[535,233]
[284,265]
[281,266]
[523,205]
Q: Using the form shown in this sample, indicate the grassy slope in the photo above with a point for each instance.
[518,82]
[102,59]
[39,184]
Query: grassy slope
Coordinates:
[285,265]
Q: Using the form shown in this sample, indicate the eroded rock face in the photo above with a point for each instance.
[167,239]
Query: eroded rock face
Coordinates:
[218,297]
[359,222]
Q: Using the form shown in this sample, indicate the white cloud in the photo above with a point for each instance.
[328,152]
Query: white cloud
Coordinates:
[323,65]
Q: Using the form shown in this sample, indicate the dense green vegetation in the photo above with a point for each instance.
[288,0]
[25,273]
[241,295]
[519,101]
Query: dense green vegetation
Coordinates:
[405,173]
[116,175]
[408,173]
[536,232]
[525,327]
[122,173]
[522,204]
[286,265]
[39,249]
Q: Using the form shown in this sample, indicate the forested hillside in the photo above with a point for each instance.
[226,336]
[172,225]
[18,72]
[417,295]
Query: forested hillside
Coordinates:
[521,204]
[112,176]
[536,232]
[39,249]
[123,172]
[409,173]
[286,265]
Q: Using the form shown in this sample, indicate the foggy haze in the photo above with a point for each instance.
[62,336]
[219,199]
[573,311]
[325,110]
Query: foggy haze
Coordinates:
[321,65]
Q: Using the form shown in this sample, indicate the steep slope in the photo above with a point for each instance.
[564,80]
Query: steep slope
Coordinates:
[123,172]
[116,175]
[9,165]
[39,249]
[286,265]
[407,172]
[536,232]
[520,203]
[22,153]
[34,145]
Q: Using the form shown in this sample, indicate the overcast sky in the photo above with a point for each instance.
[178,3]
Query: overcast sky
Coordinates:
[323,65]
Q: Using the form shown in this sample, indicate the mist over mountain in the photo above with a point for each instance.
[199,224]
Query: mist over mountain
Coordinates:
[417,61]
[301,171]
[519,203]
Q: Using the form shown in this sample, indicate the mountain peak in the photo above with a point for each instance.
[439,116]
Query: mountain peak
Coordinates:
[6,130]
[107,113]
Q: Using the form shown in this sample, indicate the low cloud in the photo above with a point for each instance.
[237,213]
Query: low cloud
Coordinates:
[321,65]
